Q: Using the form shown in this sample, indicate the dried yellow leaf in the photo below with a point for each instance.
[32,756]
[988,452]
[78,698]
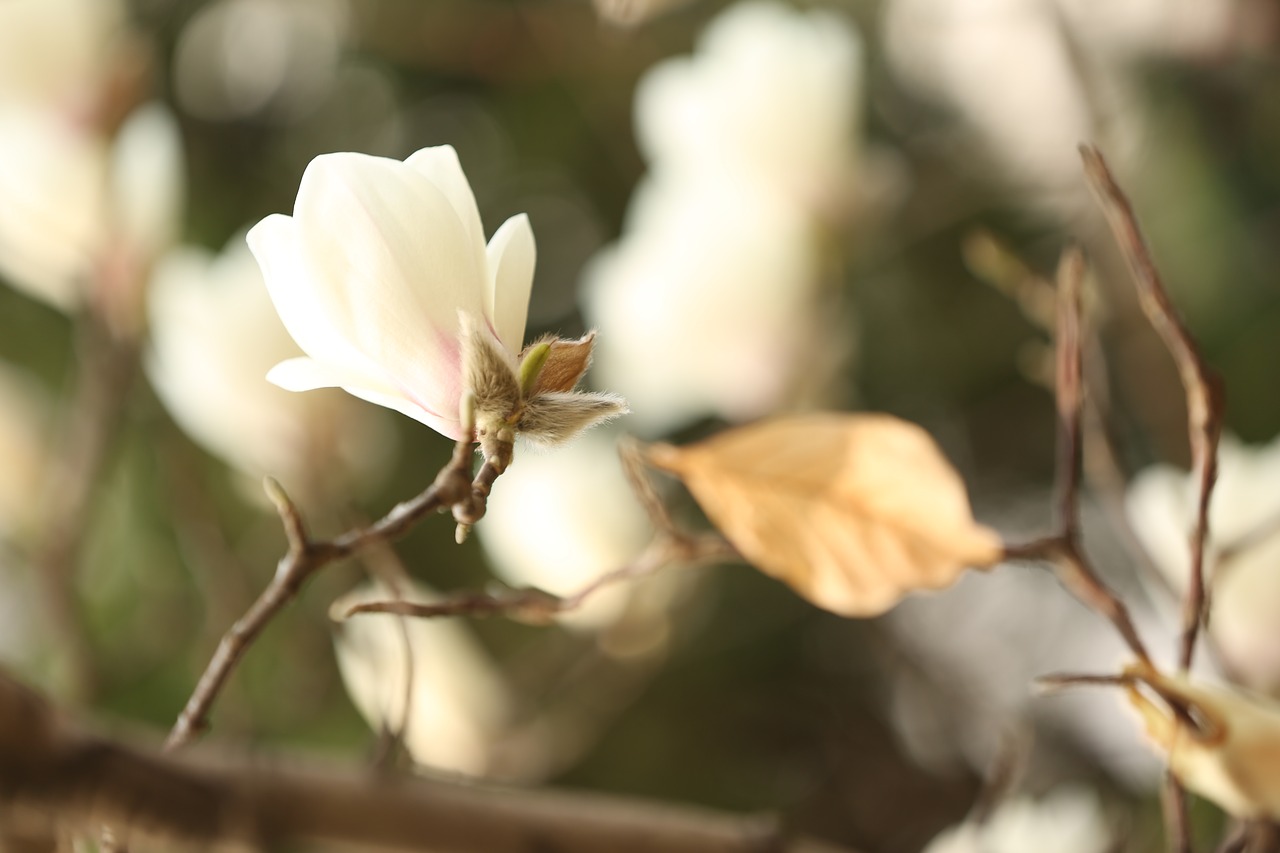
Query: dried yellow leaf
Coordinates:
[853,511]
[1229,753]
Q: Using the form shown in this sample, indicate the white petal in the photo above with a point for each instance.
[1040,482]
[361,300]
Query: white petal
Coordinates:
[512,254]
[399,261]
[459,703]
[440,166]
[312,308]
[305,374]
[148,180]
[52,219]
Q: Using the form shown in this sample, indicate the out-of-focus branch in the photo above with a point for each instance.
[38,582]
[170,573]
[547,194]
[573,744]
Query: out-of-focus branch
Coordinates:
[1062,549]
[452,488]
[1068,395]
[106,368]
[1203,387]
[53,777]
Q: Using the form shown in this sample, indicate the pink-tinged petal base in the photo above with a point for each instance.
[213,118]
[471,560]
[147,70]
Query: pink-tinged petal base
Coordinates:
[306,374]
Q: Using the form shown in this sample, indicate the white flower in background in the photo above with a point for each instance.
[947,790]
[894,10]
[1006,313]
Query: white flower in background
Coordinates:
[1007,70]
[707,305]
[214,336]
[383,278]
[974,650]
[23,449]
[57,53]
[85,203]
[241,58]
[1064,821]
[560,521]
[773,98]
[458,703]
[1245,593]
[1030,79]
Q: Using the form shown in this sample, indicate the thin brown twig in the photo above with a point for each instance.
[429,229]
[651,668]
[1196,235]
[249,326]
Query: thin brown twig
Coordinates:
[1068,395]
[534,605]
[1173,801]
[1202,386]
[453,487]
[1063,549]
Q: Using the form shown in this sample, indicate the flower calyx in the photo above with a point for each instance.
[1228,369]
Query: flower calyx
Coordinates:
[532,394]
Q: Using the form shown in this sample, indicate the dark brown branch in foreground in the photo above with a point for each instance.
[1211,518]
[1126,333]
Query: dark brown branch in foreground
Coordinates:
[1203,387]
[53,778]
[534,605]
[453,487]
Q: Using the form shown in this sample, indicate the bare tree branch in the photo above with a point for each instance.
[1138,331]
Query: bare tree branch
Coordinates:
[529,604]
[1203,388]
[452,487]
[53,777]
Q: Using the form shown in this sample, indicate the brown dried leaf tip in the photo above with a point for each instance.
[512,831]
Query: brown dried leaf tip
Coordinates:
[854,511]
[1223,743]
[531,395]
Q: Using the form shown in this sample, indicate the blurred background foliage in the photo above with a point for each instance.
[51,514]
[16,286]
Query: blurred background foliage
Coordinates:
[756,699]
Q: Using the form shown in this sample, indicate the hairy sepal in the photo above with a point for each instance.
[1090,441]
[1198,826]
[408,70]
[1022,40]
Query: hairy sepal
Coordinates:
[555,417]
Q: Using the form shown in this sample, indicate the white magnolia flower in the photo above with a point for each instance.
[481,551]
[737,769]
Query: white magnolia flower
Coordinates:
[559,522]
[458,703]
[278,58]
[772,97]
[87,206]
[58,52]
[214,336]
[383,278]
[706,305]
[1245,593]
[1065,821]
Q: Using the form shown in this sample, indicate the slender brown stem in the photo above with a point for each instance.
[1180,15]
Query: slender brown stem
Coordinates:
[304,558]
[1068,393]
[1173,800]
[1078,575]
[1202,386]
[533,605]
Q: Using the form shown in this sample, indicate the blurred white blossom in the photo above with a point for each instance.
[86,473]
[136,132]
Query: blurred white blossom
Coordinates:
[372,272]
[976,649]
[458,703]
[58,53]
[239,58]
[1030,79]
[24,449]
[771,99]
[89,201]
[707,305]
[214,336]
[1245,590]
[559,522]
[1065,821]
